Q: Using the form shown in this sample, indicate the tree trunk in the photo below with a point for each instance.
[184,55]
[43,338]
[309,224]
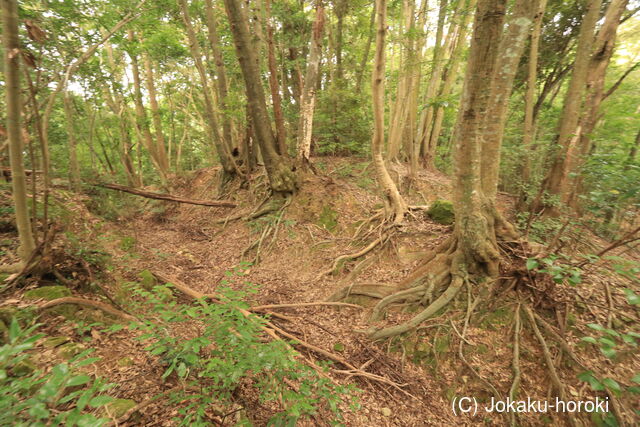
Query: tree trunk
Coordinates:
[141,116]
[598,65]
[492,132]
[308,99]
[221,74]
[228,165]
[281,175]
[367,49]
[74,167]
[529,98]
[556,180]
[160,146]
[13,104]
[450,76]
[281,135]
[474,224]
[395,202]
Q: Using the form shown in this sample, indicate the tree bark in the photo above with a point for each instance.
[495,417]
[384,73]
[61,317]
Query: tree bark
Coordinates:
[13,105]
[281,175]
[74,167]
[529,98]
[394,200]
[308,98]
[598,65]
[278,115]
[474,224]
[556,180]
[228,165]
[160,146]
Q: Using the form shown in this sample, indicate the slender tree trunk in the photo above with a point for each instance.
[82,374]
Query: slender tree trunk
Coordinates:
[394,200]
[281,135]
[13,104]
[141,116]
[529,98]
[74,167]
[367,50]
[160,146]
[633,152]
[598,65]
[281,176]
[449,78]
[556,180]
[224,155]
[509,55]
[308,100]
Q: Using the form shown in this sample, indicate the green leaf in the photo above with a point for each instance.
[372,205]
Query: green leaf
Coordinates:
[611,384]
[609,352]
[100,401]
[596,327]
[632,298]
[636,378]
[14,330]
[78,380]
[588,377]
[607,342]
[39,411]
[532,263]
[591,340]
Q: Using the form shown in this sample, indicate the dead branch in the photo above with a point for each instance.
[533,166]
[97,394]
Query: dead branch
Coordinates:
[168,197]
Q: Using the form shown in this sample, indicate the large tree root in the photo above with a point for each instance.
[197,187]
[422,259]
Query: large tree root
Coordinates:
[168,197]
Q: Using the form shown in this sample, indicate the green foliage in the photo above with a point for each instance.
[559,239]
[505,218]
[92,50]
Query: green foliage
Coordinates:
[225,351]
[556,266]
[30,397]
[328,218]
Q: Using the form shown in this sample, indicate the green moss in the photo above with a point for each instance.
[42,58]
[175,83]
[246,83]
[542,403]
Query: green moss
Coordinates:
[47,293]
[23,315]
[339,347]
[118,407]
[441,211]
[147,279]
[127,243]
[328,218]
[50,293]
[497,319]
[4,333]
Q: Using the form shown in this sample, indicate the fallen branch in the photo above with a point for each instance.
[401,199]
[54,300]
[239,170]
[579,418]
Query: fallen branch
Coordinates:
[273,331]
[87,303]
[168,197]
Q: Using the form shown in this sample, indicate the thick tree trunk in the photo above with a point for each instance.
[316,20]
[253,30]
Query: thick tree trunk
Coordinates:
[396,203]
[281,175]
[556,180]
[474,223]
[308,100]
[13,104]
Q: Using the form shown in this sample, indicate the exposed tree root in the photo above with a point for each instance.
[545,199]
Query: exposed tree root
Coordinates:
[336,263]
[373,290]
[88,303]
[555,378]
[515,385]
[168,197]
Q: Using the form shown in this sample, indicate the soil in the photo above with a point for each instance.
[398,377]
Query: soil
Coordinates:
[192,244]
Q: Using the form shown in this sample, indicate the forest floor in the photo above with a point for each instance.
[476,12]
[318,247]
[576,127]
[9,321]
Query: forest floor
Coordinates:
[194,245]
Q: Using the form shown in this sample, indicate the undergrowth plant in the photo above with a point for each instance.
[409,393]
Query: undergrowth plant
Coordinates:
[223,350]
[62,396]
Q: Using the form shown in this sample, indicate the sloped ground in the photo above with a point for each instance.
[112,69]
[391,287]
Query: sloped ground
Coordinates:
[190,243]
